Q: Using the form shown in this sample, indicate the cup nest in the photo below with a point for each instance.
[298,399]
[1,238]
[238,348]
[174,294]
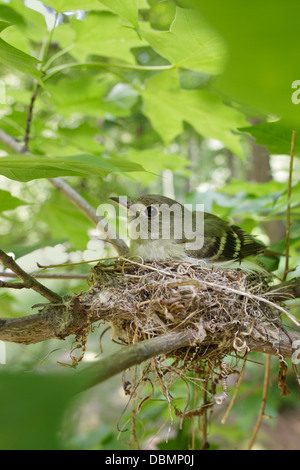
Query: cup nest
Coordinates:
[142,301]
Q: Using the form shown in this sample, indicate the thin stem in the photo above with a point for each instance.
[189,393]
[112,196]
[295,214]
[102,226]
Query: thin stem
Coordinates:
[56,56]
[29,116]
[48,43]
[43,55]
[288,211]
[263,403]
[29,282]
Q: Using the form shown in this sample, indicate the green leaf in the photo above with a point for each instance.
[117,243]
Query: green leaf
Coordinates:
[13,57]
[167,106]
[263,43]
[4,25]
[25,168]
[87,95]
[191,43]
[71,5]
[125,8]
[102,34]
[9,202]
[257,190]
[83,137]
[30,22]
[275,136]
[155,161]
[64,221]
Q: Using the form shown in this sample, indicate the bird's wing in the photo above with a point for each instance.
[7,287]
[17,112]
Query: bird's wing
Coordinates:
[223,241]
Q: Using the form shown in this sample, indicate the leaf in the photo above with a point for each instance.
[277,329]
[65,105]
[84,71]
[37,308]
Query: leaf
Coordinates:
[191,43]
[103,34]
[9,202]
[4,25]
[257,190]
[167,106]
[125,8]
[71,5]
[26,168]
[275,136]
[86,95]
[64,221]
[13,57]
[263,42]
[155,161]
[32,23]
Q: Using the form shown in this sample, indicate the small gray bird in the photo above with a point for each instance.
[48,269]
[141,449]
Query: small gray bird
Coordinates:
[221,242]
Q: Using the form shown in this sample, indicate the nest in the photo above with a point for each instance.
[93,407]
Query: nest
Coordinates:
[142,301]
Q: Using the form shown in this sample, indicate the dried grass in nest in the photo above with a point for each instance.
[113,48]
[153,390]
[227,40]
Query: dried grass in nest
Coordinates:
[142,301]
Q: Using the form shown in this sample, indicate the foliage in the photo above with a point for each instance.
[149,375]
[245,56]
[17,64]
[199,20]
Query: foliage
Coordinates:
[128,97]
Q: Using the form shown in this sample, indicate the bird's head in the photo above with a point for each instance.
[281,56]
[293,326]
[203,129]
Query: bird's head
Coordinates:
[152,216]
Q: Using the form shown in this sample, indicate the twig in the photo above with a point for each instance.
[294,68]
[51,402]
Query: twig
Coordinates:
[29,117]
[12,285]
[75,198]
[28,281]
[134,354]
[47,276]
[263,403]
[288,209]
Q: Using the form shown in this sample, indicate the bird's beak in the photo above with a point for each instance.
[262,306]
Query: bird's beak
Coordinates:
[121,202]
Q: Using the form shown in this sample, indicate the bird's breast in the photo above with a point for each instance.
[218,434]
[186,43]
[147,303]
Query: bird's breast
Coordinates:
[157,250]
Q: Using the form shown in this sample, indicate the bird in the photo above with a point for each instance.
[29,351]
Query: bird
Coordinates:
[219,243]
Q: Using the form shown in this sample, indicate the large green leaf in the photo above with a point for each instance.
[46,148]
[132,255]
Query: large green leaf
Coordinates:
[33,24]
[25,168]
[190,43]
[275,136]
[167,106]
[125,8]
[13,57]
[263,39]
[86,94]
[102,33]
[9,202]
[64,221]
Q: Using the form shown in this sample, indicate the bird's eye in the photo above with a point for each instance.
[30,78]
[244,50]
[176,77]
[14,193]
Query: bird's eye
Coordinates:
[151,211]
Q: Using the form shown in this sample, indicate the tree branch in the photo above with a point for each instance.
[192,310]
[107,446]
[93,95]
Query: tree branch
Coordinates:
[29,282]
[47,276]
[75,198]
[134,354]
